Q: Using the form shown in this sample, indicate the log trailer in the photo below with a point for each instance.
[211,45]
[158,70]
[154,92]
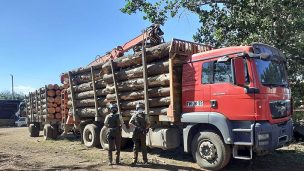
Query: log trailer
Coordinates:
[43,110]
[215,103]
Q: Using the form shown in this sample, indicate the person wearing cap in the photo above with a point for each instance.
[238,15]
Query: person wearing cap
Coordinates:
[113,123]
[140,124]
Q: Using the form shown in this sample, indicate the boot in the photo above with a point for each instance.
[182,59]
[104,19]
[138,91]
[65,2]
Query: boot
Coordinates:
[110,157]
[117,158]
[135,158]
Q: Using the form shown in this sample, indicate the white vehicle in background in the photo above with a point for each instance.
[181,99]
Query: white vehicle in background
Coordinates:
[22,121]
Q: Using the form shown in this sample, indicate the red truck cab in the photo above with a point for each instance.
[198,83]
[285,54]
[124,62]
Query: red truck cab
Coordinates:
[240,94]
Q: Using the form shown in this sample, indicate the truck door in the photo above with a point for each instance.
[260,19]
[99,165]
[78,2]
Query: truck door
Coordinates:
[196,87]
[226,97]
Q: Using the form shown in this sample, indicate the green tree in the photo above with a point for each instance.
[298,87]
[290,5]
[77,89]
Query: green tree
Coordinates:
[279,23]
[7,95]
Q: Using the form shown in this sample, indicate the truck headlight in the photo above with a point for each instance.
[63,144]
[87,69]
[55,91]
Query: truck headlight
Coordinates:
[264,136]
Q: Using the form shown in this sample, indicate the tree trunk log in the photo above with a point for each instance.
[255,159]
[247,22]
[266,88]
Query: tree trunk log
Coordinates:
[51,93]
[88,103]
[90,112]
[50,116]
[50,110]
[87,86]
[138,84]
[57,100]
[58,92]
[152,54]
[85,70]
[50,99]
[155,102]
[50,87]
[88,94]
[155,92]
[58,116]
[126,74]
[84,78]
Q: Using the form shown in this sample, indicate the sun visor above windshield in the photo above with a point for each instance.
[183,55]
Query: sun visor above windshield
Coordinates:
[275,54]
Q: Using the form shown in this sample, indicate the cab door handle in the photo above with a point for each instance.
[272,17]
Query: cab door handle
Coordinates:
[213,104]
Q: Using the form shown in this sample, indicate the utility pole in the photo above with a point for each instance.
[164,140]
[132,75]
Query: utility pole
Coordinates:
[13,95]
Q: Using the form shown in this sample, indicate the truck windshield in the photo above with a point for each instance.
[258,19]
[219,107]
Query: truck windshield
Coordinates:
[271,73]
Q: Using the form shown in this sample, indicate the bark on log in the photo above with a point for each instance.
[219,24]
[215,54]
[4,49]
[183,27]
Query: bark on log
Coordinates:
[90,112]
[126,74]
[88,102]
[88,94]
[152,54]
[155,102]
[85,69]
[87,86]
[80,79]
[138,84]
[155,92]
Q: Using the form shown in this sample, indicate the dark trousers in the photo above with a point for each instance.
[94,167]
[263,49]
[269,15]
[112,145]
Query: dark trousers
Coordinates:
[114,139]
[139,140]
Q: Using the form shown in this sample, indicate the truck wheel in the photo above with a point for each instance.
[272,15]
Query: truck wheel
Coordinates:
[209,151]
[103,138]
[90,136]
[34,130]
[47,132]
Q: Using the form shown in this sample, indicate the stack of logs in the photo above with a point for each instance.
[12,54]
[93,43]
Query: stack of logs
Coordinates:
[45,103]
[128,72]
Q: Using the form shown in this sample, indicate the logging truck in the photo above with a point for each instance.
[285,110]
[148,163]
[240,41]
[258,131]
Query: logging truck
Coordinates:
[215,103]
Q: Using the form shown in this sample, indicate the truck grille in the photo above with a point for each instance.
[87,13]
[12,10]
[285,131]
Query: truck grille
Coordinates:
[280,108]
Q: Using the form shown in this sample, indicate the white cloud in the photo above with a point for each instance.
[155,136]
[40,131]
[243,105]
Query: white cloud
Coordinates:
[23,89]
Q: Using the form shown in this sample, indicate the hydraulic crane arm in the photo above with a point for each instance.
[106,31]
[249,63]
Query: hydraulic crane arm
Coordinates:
[152,33]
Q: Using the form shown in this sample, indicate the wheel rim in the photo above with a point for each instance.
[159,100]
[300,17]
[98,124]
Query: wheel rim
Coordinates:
[207,150]
[90,136]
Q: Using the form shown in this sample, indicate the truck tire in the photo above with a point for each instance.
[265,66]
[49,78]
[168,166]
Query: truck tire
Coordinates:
[103,138]
[47,132]
[209,151]
[90,136]
[34,130]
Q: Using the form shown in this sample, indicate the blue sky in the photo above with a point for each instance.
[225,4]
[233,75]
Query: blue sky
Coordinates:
[40,39]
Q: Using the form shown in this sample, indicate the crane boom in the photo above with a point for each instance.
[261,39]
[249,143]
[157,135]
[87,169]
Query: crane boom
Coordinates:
[152,33]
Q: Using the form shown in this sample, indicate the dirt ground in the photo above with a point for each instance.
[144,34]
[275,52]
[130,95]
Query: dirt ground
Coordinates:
[18,151]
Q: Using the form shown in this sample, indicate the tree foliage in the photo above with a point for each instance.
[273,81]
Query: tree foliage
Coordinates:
[7,95]
[279,23]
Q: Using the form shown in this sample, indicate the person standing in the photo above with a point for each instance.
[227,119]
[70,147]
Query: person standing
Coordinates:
[140,124]
[113,123]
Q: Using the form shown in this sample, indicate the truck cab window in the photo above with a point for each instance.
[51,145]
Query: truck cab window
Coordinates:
[247,79]
[207,73]
[222,72]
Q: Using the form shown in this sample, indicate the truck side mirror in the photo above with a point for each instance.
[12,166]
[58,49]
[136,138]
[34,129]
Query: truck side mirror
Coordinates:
[239,70]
